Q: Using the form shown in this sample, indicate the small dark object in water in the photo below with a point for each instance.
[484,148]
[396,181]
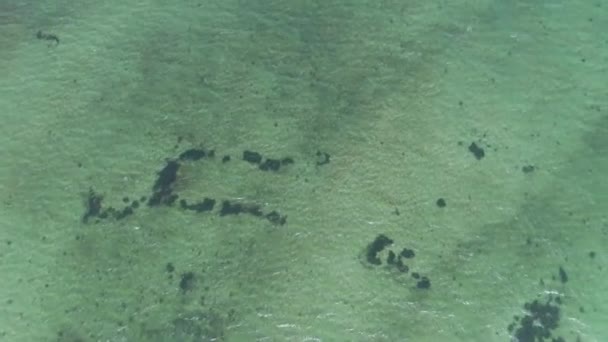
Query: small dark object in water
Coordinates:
[252,157]
[187,281]
[423,283]
[407,253]
[193,154]
[93,205]
[563,276]
[47,36]
[477,151]
[528,168]
[380,242]
[270,165]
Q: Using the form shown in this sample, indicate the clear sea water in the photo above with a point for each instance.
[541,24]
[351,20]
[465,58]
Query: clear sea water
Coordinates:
[247,170]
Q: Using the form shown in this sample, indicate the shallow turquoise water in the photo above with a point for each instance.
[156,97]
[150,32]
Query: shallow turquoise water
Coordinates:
[473,134]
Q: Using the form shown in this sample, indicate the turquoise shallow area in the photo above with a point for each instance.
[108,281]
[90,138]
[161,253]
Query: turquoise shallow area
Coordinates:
[384,107]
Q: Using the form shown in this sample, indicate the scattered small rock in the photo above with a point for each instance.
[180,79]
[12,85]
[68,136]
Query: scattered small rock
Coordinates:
[527,168]
[477,151]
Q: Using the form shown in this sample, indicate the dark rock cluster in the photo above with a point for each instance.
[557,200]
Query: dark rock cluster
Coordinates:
[376,248]
[164,194]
